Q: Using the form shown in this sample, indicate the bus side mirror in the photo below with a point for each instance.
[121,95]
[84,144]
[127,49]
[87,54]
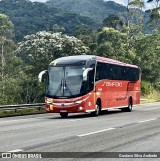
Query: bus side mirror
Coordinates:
[85,73]
[41,74]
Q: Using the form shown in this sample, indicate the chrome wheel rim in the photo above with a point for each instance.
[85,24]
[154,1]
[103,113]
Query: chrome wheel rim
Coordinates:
[97,109]
[130,107]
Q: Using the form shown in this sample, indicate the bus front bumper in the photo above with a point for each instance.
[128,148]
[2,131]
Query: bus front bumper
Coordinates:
[69,109]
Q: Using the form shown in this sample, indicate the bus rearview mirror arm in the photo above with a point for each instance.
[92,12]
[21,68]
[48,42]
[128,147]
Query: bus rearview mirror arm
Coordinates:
[40,75]
[85,73]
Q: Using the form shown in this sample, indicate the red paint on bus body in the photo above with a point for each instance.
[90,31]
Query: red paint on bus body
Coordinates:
[112,93]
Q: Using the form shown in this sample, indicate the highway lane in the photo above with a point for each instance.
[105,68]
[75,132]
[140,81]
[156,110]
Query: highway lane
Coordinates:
[112,131]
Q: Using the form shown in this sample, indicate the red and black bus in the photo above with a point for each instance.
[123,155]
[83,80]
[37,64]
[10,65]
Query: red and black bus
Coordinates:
[88,83]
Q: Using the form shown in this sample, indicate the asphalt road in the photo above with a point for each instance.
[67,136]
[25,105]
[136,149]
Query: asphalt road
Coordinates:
[113,131]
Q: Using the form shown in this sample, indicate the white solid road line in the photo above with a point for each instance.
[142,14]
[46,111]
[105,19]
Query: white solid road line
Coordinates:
[10,121]
[147,120]
[95,132]
[59,121]
[16,150]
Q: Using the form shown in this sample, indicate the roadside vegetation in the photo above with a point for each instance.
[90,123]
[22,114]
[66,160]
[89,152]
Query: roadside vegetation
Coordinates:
[19,112]
[118,38]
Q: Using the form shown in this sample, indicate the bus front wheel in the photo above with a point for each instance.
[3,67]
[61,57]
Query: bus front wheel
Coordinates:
[63,114]
[97,110]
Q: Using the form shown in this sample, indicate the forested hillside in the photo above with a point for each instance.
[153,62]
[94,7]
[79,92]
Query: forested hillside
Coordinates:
[59,15]
[31,17]
[98,10]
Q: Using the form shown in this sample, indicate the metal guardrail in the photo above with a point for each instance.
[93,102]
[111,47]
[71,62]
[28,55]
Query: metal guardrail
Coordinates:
[33,105]
[21,106]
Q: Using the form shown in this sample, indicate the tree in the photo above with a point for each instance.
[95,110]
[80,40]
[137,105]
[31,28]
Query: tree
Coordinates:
[135,15]
[11,87]
[57,28]
[6,33]
[6,27]
[154,14]
[87,36]
[148,57]
[38,50]
[134,20]
[11,67]
[112,44]
[113,21]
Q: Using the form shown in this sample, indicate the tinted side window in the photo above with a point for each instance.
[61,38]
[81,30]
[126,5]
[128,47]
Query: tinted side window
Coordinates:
[109,71]
[135,74]
[115,72]
[131,74]
[102,71]
[99,70]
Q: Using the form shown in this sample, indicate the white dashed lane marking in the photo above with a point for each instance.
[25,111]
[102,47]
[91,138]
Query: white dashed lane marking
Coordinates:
[95,132]
[147,120]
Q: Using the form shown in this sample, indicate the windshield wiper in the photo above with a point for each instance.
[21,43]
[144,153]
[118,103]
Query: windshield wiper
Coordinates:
[59,87]
[65,85]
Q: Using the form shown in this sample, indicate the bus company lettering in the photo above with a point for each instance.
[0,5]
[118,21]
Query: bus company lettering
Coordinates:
[112,84]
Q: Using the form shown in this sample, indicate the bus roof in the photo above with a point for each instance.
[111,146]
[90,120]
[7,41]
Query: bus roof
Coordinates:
[112,61]
[81,58]
[73,59]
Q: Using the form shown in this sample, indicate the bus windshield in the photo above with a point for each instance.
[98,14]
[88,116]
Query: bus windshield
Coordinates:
[65,81]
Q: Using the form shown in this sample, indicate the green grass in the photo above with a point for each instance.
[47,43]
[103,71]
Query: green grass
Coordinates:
[149,101]
[151,97]
[19,112]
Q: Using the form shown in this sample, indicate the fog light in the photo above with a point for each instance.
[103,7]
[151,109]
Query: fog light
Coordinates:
[51,107]
[80,108]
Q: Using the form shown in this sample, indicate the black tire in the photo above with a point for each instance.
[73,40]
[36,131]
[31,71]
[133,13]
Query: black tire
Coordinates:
[97,110]
[63,114]
[129,108]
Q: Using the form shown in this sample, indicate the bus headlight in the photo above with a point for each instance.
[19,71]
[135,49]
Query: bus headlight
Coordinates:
[80,108]
[80,101]
[48,100]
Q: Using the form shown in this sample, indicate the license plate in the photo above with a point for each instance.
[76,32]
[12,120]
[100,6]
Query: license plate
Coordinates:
[63,110]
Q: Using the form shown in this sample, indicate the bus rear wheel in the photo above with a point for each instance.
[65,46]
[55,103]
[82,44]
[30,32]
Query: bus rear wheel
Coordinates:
[63,114]
[129,108]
